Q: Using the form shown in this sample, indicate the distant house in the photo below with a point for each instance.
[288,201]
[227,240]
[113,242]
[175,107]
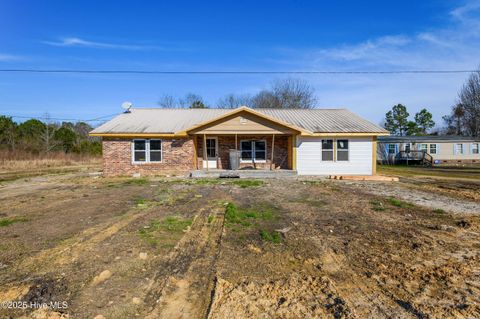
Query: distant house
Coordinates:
[428,149]
[310,142]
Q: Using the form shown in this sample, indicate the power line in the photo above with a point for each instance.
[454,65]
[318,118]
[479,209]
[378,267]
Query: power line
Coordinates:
[230,72]
[60,119]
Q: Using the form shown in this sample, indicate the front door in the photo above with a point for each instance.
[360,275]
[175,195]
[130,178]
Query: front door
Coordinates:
[212,153]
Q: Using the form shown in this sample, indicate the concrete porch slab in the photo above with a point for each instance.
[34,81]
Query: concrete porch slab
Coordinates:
[220,173]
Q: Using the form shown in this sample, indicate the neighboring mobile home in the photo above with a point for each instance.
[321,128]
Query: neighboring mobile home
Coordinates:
[311,142]
[428,149]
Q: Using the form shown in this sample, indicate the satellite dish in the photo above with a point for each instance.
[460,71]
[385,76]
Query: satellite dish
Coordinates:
[126,106]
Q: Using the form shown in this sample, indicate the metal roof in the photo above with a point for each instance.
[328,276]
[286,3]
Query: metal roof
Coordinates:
[426,138]
[170,121]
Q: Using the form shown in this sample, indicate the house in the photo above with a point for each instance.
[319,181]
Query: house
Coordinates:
[149,141]
[428,149]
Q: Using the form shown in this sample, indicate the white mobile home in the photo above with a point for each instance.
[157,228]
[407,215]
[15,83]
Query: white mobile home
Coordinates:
[428,149]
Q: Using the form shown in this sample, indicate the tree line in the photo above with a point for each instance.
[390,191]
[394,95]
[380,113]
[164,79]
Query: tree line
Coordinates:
[286,93]
[35,136]
[463,120]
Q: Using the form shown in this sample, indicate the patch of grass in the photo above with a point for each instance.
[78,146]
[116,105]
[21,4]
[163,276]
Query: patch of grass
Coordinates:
[439,211]
[148,237]
[399,203]
[245,217]
[245,183]
[273,237]
[171,225]
[140,201]
[377,205]
[210,219]
[4,222]
[174,224]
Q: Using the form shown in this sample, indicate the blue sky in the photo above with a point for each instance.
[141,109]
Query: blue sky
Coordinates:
[233,35]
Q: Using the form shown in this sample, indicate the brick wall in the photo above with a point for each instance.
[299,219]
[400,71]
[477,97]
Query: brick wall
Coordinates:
[225,143]
[177,156]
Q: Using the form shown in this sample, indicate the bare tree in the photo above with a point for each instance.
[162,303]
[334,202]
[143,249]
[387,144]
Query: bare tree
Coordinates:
[231,101]
[286,94]
[469,98]
[168,101]
[47,135]
[193,101]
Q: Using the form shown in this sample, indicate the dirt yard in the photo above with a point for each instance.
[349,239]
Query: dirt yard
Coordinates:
[92,247]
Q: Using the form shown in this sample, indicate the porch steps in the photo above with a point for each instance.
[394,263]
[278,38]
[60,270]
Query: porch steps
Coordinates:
[242,173]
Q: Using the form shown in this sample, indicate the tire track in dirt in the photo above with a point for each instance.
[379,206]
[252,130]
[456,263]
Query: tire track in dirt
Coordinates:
[182,288]
[358,292]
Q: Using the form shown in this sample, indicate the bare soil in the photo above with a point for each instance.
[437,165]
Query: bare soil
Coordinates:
[178,248]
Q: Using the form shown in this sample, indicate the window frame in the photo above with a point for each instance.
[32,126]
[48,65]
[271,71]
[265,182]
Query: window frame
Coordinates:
[457,151]
[430,148]
[147,151]
[394,149]
[342,150]
[422,147]
[253,151]
[328,149]
[472,148]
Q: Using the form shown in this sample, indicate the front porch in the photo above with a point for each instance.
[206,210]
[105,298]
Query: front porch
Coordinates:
[257,152]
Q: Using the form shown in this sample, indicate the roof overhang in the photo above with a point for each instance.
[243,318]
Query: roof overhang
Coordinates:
[146,135]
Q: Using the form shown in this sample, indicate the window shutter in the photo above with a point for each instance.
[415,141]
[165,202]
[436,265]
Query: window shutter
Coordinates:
[396,148]
[454,148]
[438,148]
[465,148]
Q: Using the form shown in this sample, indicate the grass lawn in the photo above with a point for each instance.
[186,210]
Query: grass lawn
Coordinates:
[464,172]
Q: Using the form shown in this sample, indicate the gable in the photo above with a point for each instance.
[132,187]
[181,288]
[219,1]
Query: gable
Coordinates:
[243,123]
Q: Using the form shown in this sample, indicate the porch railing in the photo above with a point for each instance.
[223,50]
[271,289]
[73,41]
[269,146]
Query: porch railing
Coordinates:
[415,156]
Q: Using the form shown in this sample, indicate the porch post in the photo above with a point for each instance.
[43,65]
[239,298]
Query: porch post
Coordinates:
[205,158]
[273,148]
[195,155]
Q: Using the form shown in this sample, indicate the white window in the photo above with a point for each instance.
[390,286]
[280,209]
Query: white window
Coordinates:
[342,150]
[424,148]
[327,150]
[392,148]
[458,149]
[147,151]
[475,148]
[253,151]
[433,148]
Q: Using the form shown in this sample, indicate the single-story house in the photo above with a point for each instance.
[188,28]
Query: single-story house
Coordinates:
[150,141]
[428,149]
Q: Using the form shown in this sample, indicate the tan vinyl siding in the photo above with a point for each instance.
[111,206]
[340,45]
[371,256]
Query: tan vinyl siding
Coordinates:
[445,151]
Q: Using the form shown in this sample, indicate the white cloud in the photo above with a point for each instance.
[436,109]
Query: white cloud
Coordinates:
[78,42]
[455,47]
[8,57]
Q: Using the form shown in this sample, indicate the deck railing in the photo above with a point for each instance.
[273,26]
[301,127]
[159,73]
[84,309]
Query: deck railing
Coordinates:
[415,156]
